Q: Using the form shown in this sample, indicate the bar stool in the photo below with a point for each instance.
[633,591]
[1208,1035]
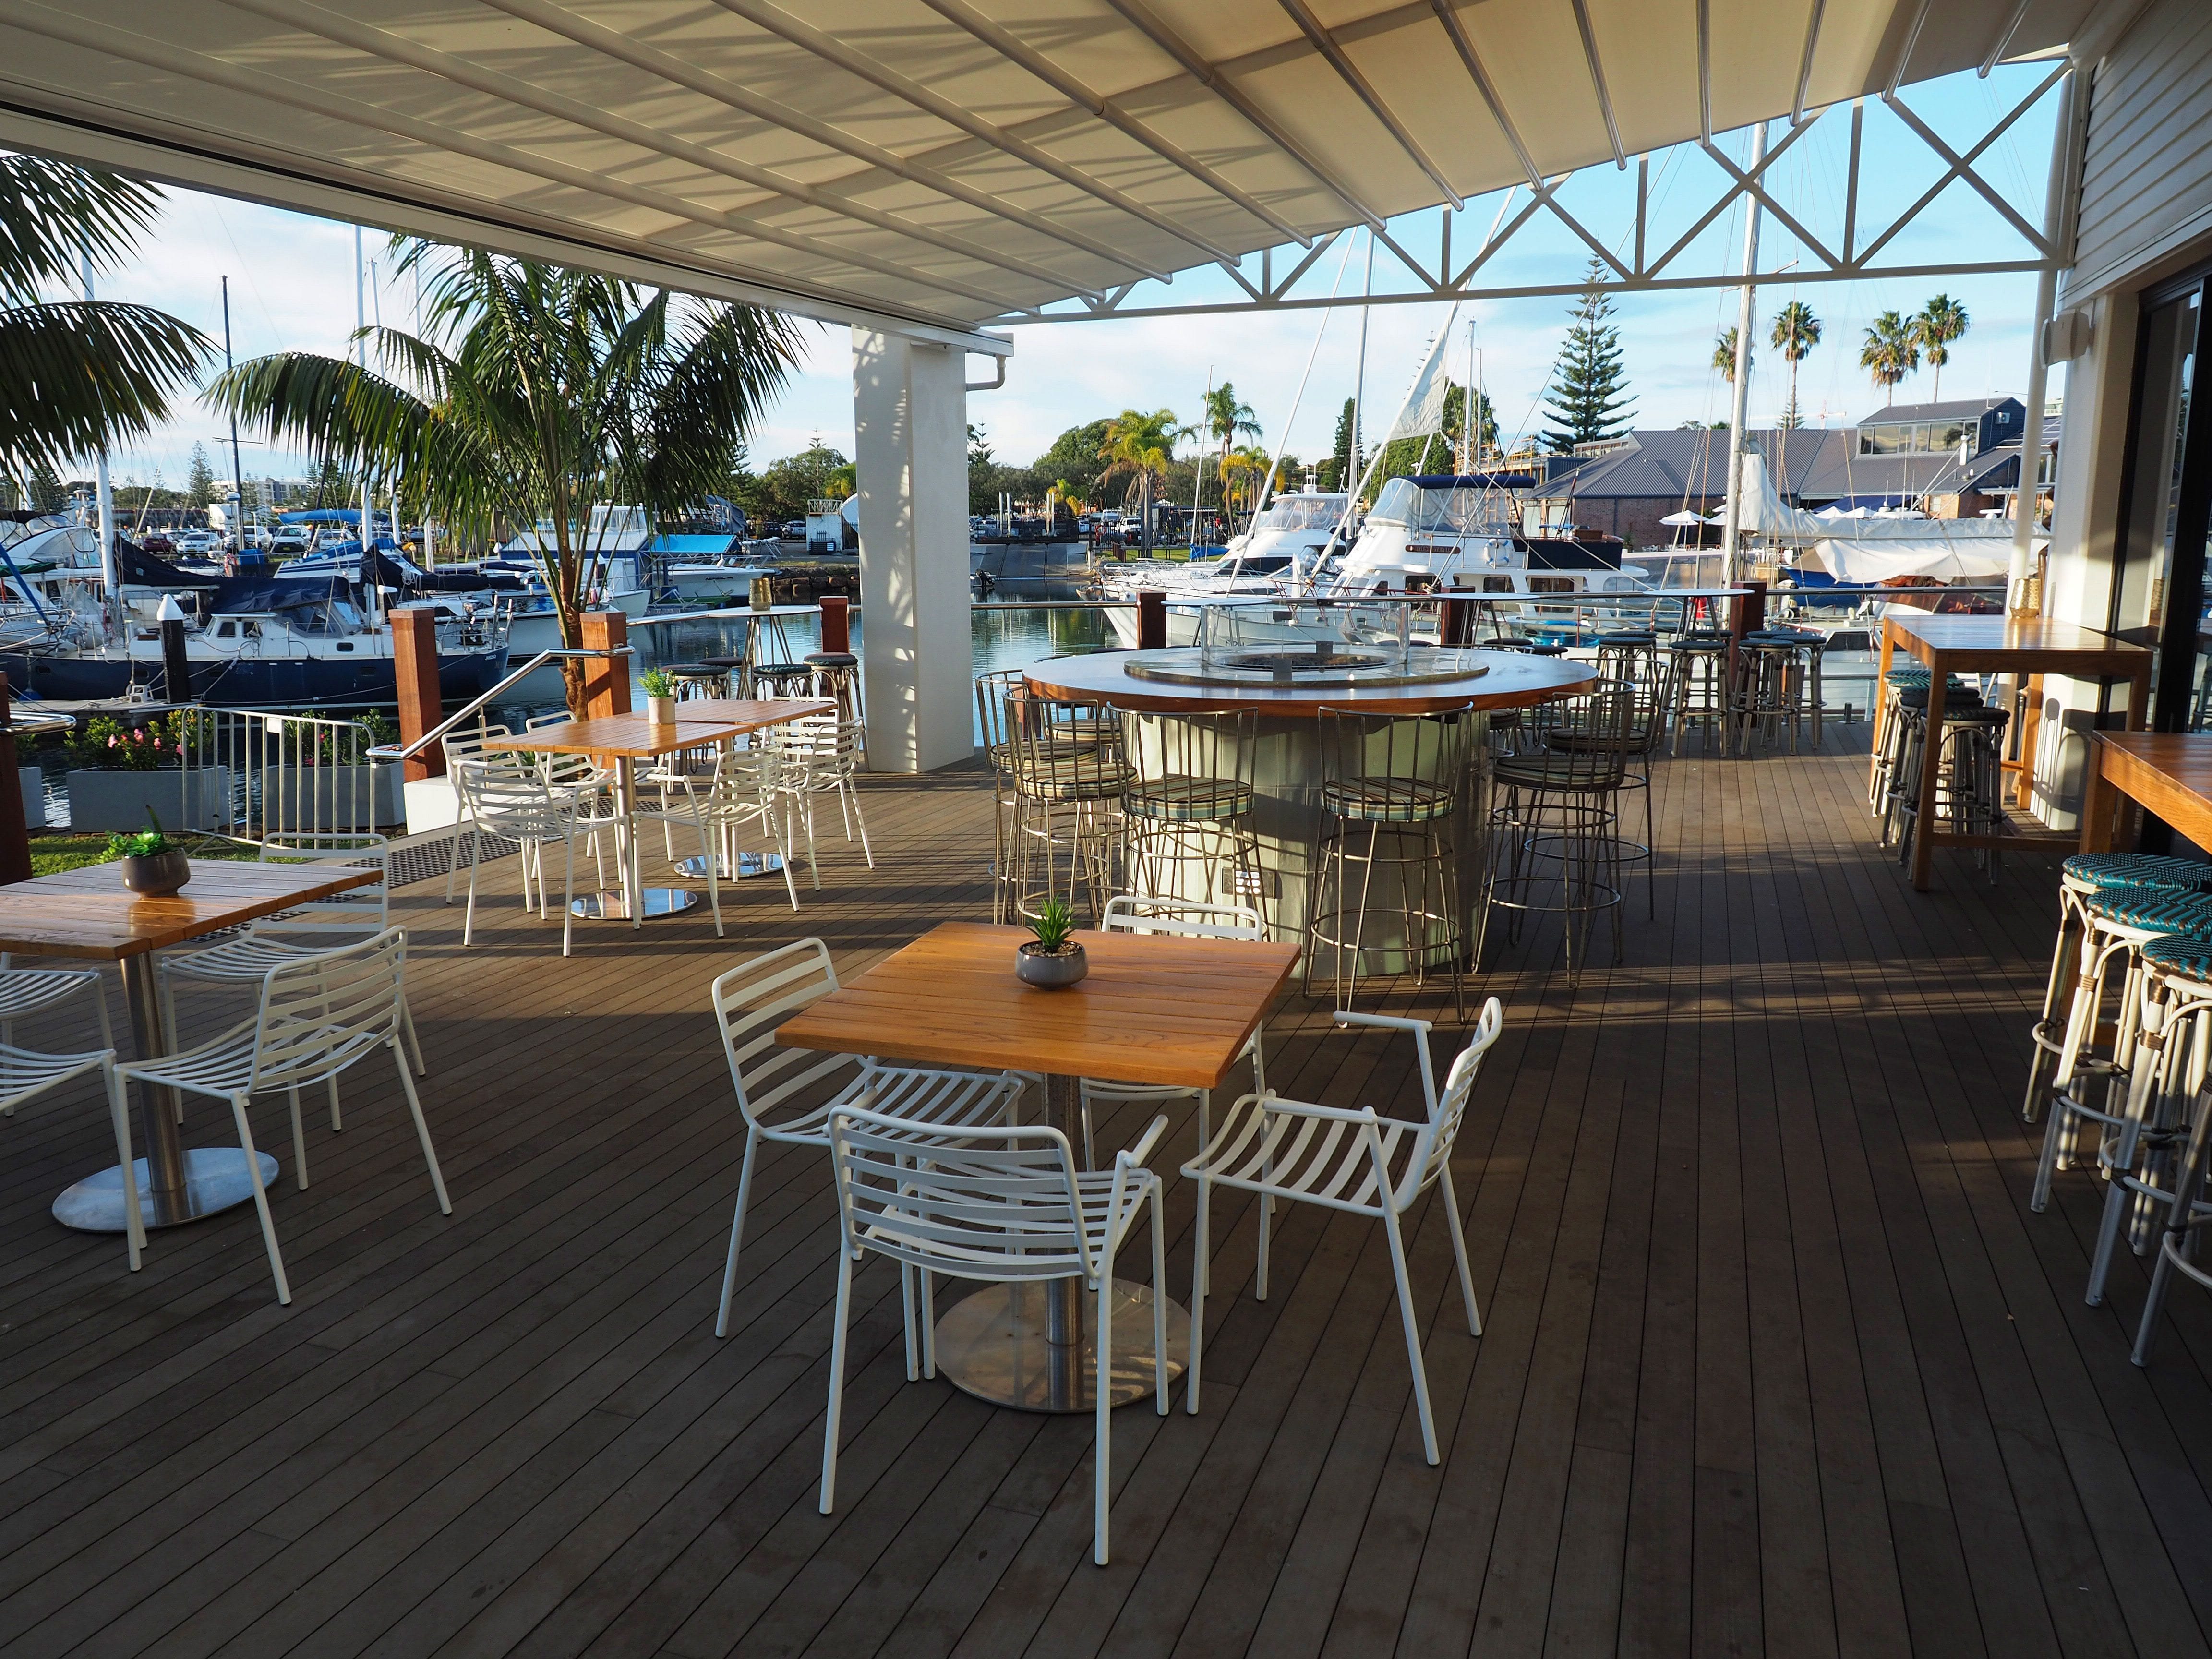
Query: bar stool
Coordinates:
[1901,796]
[1068,774]
[1400,778]
[2189,962]
[1774,672]
[2116,924]
[1970,776]
[992,691]
[2081,877]
[1552,824]
[1188,807]
[781,679]
[1632,658]
[1700,686]
[1888,733]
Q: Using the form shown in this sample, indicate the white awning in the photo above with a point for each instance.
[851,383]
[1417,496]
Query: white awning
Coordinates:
[931,163]
[1952,560]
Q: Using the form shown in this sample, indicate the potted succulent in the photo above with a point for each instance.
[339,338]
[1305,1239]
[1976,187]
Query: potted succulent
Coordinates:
[152,867]
[660,696]
[1053,958]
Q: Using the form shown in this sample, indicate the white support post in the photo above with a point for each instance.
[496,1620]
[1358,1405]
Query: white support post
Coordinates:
[1732,533]
[910,421]
[2046,291]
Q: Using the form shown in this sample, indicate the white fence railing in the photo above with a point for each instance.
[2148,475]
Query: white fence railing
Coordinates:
[259,773]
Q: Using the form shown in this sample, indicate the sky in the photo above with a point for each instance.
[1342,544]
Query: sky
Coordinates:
[291,286]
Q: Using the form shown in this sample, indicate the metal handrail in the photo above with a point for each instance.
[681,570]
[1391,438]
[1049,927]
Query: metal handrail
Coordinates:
[385,751]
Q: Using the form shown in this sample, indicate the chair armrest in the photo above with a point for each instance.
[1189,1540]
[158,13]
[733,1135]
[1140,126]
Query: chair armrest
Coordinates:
[1137,1154]
[1384,1022]
[1275,1105]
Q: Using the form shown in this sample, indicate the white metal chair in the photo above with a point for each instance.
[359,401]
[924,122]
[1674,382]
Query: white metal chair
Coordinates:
[1356,1161]
[1134,913]
[821,757]
[787,1094]
[1003,1204]
[26,1074]
[317,1016]
[690,807]
[462,747]
[741,795]
[27,990]
[522,806]
[359,913]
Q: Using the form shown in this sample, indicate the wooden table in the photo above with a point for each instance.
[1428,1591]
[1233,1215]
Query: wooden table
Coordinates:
[1155,1009]
[2019,646]
[89,912]
[2169,773]
[1497,679]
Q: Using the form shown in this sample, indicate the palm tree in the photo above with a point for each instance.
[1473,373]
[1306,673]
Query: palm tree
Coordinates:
[78,376]
[1941,321]
[1223,420]
[1796,331]
[534,394]
[1140,446]
[1242,468]
[1724,356]
[1891,352]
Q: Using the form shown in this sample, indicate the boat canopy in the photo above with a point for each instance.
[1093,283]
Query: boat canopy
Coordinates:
[134,564]
[1297,511]
[1461,505]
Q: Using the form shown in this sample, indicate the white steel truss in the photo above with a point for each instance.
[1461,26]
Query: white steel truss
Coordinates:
[1635,260]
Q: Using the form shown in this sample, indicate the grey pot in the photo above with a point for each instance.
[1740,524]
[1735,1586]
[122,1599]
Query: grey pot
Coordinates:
[159,876]
[1034,965]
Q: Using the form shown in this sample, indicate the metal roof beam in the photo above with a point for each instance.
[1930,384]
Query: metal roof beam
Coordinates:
[1597,82]
[1705,70]
[1141,18]
[830,50]
[1904,52]
[1805,62]
[382,44]
[2004,39]
[1012,47]
[558,19]
[1448,14]
[1348,72]
[171,59]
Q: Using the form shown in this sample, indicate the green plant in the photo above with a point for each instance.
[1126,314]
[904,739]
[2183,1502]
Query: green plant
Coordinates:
[139,843]
[106,745]
[657,683]
[1053,926]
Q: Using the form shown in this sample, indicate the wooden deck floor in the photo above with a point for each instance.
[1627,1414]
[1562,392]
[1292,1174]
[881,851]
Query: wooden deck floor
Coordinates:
[1778,1360]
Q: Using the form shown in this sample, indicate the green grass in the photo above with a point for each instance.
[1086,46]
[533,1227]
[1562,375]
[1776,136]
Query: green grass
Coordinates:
[61,849]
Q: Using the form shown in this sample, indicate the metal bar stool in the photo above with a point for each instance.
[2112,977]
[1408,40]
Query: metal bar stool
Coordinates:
[1901,798]
[2081,877]
[1633,658]
[1970,776]
[994,727]
[1187,808]
[1700,686]
[1774,677]
[1399,778]
[1068,773]
[1552,842]
[2191,960]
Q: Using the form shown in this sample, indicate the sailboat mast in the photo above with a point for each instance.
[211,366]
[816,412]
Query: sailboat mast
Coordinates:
[1732,534]
[237,466]
[108,578]
[368,504]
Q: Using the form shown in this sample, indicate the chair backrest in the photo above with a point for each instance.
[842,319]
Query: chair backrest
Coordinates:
[992,1203]
[1594,734]
[1142,913]
[755,997]
[1428,749]
[1220,747]
[1064,748]
[993,690]
[358,913]
[467,743]
[518,804]
[824,747]
[558,769]
[1432,1153]
[323,1012]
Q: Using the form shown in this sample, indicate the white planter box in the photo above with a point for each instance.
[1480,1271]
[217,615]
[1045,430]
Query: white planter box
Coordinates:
[333,798]
[34,799]
[120,800]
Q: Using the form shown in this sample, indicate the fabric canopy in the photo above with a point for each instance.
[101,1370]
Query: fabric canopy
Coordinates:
[1947,560]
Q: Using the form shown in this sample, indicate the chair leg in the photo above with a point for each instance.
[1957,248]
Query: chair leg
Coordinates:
[422,1129]
[1412,1333]
[1159,1297]
[1102,1476]
[299,1142]
[1459,1252]
[737,1232]
[1200,1280]
[118,1112]
[569,896]
[714,863]
[829,1500]
[469,915]
[414,1042]
[260,1199]
[338,1120]
[866,852]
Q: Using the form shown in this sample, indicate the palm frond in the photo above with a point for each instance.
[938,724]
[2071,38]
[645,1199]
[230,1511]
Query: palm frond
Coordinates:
[53,213]
[87,376]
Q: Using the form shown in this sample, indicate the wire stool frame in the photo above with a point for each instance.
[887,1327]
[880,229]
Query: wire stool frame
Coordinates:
[1068,774]
[1188,806]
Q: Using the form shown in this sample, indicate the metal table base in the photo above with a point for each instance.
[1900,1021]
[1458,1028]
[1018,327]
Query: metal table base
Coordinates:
[748,864]
[612,906]
[215,1179]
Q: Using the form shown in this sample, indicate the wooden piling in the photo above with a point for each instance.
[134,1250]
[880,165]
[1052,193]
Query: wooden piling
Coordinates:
[414,663]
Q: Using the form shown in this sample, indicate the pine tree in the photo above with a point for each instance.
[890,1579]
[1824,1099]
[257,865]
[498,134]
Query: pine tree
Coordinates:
[1589,399]
[199,480]
[1341,471]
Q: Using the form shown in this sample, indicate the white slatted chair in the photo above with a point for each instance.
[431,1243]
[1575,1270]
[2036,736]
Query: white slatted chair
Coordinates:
[787,1094]
[1131,913]
[522,806]
[689,805]
[461,748]
[1003,1205]
[740,796]
[1356,1161]
[28,990]
[317,1016]
[359,913]
[26,1074]
[821,757]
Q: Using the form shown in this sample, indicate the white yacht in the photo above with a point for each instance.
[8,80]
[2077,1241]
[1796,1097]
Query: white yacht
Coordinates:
[1280,553]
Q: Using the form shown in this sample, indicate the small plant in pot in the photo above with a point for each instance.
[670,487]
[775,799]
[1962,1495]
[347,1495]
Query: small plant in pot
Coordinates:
[153,866]
[1053,958]
[660,696]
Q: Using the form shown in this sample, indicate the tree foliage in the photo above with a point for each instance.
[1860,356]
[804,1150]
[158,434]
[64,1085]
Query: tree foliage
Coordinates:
[1589,397]
[1138,447]
[1890,351]
[1942,321]
[1796,331]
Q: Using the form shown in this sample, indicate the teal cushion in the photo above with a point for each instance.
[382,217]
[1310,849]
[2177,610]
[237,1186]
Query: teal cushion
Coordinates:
[2104,871]
[2162,908]
[2187,955]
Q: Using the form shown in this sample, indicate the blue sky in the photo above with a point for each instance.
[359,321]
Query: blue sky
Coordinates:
[292,287]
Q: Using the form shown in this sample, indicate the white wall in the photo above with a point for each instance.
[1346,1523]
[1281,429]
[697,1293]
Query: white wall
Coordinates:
[910,452]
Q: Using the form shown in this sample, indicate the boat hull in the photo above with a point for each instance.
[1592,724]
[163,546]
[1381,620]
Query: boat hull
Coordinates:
[252,682]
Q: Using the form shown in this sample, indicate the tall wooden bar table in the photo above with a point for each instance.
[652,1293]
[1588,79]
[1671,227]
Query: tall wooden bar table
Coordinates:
[2019,646]
[1154,1009]
[2168,772]
[89,912]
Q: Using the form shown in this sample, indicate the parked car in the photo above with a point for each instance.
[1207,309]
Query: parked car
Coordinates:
[157,545]
[794,530]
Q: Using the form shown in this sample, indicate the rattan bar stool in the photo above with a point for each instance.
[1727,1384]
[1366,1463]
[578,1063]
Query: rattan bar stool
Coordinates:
[1069,774]
[1553,846]
[1398,778]
[1700,687]
[1778,673]
[1888,734]
[1187,808]
[2190,962]
[2081,877]
[2116,924]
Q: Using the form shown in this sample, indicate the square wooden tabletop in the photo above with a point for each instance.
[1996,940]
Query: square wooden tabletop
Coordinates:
[1155,1008]
[2031,642]
[751,713]
[88,912]
[631,735]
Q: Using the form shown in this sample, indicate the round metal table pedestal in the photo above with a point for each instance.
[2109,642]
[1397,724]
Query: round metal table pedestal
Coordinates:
[612,907]
[994,1345]
[749,865]
[215,1179]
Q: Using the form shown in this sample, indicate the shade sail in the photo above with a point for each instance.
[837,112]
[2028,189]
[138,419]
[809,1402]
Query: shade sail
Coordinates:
[930,163]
